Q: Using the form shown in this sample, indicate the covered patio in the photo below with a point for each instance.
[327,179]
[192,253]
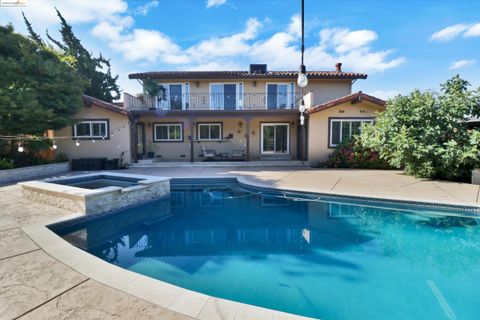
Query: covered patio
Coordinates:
[238,135]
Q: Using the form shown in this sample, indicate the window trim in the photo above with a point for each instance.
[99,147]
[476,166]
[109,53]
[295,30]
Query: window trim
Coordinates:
[91,137]
[157,124]
[199,124]
[290,86]
[346,119]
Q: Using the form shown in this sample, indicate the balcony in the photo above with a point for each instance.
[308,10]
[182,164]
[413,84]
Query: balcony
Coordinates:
[214,101]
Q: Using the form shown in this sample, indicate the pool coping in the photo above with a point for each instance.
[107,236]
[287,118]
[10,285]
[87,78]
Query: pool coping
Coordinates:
[169,296]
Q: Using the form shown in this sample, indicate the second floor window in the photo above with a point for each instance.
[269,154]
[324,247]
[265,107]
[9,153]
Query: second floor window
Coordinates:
[167,132]
[209,131]
[173,96]
[226,96]
[280,95]
[91,129]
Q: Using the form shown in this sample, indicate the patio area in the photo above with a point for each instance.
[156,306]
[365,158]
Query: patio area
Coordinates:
[27,291]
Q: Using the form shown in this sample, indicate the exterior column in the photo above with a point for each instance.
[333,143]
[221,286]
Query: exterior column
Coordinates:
[303,139]
[247,139]
[191,138]
[133,137]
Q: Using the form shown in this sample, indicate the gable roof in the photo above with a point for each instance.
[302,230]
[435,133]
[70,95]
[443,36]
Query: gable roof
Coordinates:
[89,101]
[244,75]
[352,98]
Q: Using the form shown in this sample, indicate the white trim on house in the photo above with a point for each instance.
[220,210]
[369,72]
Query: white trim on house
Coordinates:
[287,124]
[91,123]
[168,125]
[341,121]
[290,103]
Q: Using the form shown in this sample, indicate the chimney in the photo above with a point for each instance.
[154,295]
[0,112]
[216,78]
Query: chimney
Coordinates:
[258,68]
[338,67]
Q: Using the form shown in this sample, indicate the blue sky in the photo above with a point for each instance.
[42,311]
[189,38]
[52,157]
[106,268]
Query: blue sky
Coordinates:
[402,45]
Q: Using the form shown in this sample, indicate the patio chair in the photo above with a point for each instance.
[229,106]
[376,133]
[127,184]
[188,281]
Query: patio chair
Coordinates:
[239,154]
[209,154]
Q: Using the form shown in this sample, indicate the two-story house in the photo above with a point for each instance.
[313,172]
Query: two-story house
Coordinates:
[241,115]
[255,110]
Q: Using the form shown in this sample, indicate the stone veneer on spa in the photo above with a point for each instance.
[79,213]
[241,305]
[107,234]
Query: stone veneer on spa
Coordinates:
[91,201]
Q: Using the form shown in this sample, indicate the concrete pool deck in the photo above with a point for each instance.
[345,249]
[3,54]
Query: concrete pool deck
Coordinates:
[35,285]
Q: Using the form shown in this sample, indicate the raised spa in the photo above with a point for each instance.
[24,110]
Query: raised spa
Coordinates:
[314,255]
[97,192]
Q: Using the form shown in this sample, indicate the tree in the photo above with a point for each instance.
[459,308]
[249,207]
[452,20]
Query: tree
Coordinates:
[101,83]
[426,133]
[39,90]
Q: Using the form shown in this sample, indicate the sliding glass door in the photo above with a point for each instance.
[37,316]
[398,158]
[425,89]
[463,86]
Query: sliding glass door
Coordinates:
[275,138]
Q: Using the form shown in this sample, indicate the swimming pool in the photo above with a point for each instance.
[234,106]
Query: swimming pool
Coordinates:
[319,256]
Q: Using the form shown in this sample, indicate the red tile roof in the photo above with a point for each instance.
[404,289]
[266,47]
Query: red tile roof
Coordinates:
[89,101]
[244,75]
[352,98]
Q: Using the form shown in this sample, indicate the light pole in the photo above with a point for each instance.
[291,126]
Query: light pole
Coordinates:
[302,80]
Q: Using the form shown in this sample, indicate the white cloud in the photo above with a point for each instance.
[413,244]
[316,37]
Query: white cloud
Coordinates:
[461,63]
[236,44]
[384,94]
[143,10]
[42,14]
[473,31]
[149,45]
[344,40]
[215,3]
[449,33]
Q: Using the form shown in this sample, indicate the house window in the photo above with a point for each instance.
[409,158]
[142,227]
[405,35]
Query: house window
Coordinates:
[280,95]
[344,129]
[226,96]
[173,96]
[167,132]
[209,131]
[91,129]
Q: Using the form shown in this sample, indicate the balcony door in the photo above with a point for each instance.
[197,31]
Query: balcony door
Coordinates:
[173,96]
[280,95]
[275,138]
[226,96]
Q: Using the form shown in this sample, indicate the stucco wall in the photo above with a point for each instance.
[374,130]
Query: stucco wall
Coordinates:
[318,149]
[118,142]
[231,126]
[323,90]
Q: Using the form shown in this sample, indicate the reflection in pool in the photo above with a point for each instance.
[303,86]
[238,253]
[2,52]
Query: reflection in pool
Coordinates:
[331,258]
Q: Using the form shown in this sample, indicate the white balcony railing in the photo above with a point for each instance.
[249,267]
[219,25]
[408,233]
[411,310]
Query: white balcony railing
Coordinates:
[214,101]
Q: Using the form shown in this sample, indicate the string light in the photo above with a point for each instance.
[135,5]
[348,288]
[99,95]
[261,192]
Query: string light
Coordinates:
[54,146]
[20,148]
[77,143]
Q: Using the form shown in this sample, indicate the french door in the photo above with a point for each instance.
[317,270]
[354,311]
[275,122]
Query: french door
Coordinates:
[275,138]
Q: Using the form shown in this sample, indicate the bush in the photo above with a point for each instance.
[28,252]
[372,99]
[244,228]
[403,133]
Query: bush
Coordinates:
[350,154]
[6,164]
[426,133]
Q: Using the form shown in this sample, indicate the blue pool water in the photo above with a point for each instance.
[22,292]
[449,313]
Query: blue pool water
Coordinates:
[323,257]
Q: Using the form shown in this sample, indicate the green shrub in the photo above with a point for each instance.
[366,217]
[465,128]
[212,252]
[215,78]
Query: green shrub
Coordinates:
[6,164]
[350,154]
[426,133]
